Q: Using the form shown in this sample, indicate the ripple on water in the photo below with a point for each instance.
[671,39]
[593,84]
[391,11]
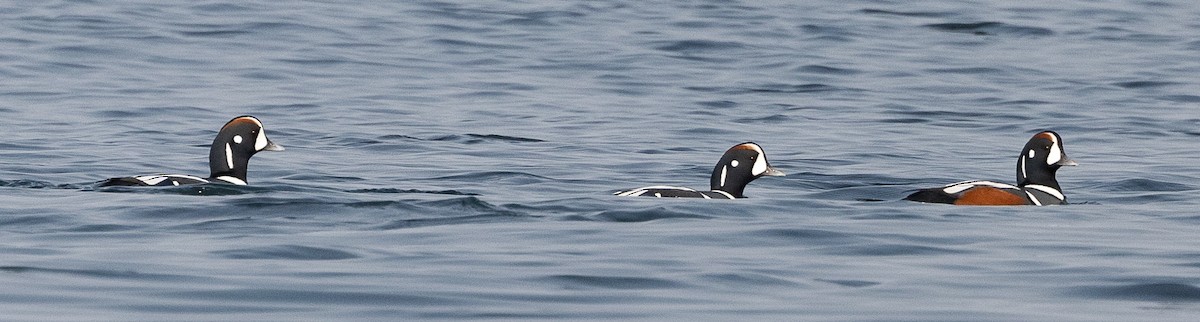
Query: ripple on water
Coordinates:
[1158,292]
[36,184]
[287,252]
[611,282]
[318,297]
[828,70]
[408,191]
[438,140]
[849,283]
[698,46]
[454,211]
[97,273]
[1139,184]
[798,236]
[1145,84]
[876,249]
[774,88]
[1183,98]
[991,28]
[741,279]
[640,215]
[922,14]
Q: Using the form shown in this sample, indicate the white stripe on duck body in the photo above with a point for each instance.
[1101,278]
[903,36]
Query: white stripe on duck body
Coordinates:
[228,158]
[740,165]
[1036,185]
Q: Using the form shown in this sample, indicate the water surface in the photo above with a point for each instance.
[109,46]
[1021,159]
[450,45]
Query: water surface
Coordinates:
[455,160]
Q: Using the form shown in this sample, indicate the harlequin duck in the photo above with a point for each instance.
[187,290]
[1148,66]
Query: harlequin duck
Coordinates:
[1036,185]
[741,164]
[228,158]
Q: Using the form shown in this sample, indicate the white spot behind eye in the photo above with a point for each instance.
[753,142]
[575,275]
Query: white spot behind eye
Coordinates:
[733,163]
[237,139]
[1031,154]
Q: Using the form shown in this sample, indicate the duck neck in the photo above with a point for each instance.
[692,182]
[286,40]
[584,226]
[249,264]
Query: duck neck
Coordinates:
[220,159]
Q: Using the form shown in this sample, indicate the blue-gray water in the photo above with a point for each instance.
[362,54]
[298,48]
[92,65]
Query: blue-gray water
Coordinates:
[455,160]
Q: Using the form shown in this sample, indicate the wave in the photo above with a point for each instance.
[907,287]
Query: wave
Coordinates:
[988,28]
[611,282]
[1163,291]
[774,88]
[97,273]
[454,211]
[922,14]
[698,46]
[35,184]
[1139,184]
[288,252]
[642,215]
[891,250]
[408,191]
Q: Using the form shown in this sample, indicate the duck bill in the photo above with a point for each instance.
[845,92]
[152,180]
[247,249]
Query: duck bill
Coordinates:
[1067,161]
[271,146]
[772,172]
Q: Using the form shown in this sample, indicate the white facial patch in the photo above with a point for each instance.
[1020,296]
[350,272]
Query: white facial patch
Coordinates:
[1055,154]
[229,155]
[237,139]
[733,163]
[261,142]
[760,165]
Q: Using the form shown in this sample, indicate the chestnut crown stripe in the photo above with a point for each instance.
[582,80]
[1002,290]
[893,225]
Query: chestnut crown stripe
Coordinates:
[243,119]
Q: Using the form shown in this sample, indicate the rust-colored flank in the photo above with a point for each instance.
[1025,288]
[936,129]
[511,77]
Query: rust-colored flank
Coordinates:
[988,196]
